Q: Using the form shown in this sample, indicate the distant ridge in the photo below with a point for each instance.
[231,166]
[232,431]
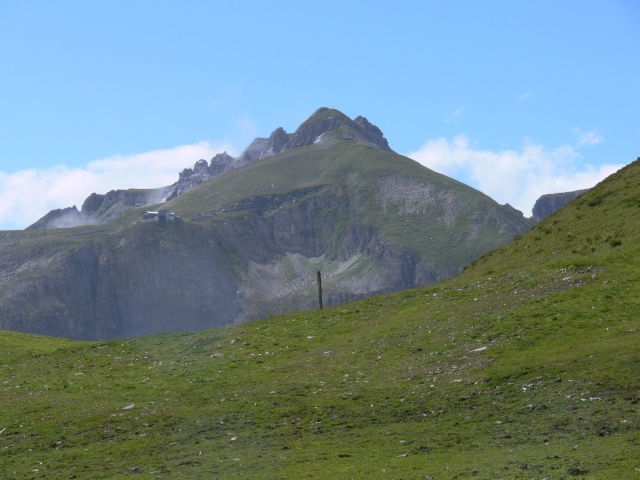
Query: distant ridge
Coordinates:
[324,125]
[552,202]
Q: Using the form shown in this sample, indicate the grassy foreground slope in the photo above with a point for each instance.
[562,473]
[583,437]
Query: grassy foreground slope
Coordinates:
[524,366]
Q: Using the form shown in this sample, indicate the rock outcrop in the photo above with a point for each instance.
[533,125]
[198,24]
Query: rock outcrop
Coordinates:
[60,218]
[101,208]
[201,172]
[513,209]
[328,124]
[552,202]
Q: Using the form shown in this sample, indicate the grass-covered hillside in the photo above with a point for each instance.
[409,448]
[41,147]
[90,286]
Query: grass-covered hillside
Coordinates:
[527,365]
[409,205]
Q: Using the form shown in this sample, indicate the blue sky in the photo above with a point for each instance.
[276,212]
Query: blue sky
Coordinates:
[514,98]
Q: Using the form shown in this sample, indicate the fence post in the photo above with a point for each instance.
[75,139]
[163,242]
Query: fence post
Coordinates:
[319,290]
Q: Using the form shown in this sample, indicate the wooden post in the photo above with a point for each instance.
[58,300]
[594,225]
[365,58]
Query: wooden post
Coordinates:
[319,291]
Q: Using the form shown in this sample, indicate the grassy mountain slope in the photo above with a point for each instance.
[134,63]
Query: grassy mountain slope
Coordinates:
[524,366]
[388,189]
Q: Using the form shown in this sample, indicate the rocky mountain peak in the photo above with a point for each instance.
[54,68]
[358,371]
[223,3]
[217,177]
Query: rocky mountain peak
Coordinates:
[278,139]
[323,120]
[220,163]
[373,132]
[324,125]
[200,166]
[264,147]
[328,124]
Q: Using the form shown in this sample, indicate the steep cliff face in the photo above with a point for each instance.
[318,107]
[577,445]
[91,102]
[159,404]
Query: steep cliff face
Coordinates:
[189,276]
[552,202]
[153,280]
[103,208]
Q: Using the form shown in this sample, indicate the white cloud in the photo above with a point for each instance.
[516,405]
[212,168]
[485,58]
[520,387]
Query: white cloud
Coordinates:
[510,176]
[27,195]
[524,96]
[589,139]
[455,116]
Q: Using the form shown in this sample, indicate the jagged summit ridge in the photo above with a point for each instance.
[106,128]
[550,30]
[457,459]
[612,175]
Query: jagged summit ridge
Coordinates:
[328,124]
[324,125]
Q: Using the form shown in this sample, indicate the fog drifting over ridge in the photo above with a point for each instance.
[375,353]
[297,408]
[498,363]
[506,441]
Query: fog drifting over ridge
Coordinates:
[27,195]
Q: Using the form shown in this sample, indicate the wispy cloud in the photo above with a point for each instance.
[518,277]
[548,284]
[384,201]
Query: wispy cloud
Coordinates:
[455,116]
[527,95]
[518,177]
[27,195]
[588,139]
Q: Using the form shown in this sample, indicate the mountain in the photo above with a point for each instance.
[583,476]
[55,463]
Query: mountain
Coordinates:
[323,126]
[523,366]
[250,241]
[551,203]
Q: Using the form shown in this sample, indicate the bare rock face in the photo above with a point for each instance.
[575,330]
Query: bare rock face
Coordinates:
[513,209]
[201,166]
[328,124]
[222,162]
[552,202]
[99,208]
[373,133]
[264,147]
[277,141]
[201,172]
[157,280]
